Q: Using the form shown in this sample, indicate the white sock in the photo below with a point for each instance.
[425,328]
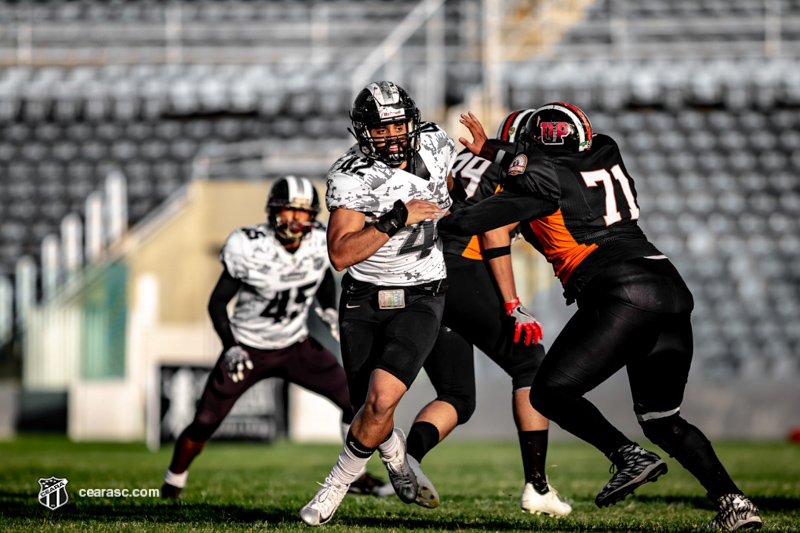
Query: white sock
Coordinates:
[390,446]
[176,480]
[348,467]
[345,430]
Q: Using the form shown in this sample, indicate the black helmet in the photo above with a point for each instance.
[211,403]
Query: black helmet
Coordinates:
[378,104]
[512,125]
[559,125]
[291,192]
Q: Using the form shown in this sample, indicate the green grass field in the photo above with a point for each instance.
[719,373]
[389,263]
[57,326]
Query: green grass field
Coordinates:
[262,487]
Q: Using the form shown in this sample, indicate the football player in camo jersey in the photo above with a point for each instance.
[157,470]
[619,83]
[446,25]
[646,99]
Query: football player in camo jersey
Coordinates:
[276,270]
[386,195]
[578,207]
[482,308]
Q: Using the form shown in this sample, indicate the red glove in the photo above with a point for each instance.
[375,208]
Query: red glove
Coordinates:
[524,320]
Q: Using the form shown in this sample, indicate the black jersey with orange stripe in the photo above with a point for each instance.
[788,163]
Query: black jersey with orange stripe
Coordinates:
[474,180]
[579,210]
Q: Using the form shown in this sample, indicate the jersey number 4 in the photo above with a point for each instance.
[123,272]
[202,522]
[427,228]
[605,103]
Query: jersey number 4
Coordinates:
[594,178]
[410,245]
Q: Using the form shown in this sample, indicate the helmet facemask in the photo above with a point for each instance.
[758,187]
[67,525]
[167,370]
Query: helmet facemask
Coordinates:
[291,230]
[379,105]
[293,194]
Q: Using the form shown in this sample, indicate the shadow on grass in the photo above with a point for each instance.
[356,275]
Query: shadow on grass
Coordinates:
[161,512]
[21,506]
[764,503]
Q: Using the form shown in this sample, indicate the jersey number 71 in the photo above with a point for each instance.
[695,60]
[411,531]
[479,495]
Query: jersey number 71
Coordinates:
[593,178]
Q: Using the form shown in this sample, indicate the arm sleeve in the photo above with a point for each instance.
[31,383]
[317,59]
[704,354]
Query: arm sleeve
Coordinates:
[326,294]
[227,286]
[503,208]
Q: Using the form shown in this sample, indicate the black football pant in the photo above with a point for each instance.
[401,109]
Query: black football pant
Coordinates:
[305,363]
[634,315]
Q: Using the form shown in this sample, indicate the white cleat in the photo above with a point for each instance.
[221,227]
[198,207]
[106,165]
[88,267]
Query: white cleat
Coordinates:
[403,479]
[321,508]
[547,503]
[426,492]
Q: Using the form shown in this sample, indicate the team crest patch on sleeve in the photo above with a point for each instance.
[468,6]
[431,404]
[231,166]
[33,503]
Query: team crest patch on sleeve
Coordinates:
[518,165]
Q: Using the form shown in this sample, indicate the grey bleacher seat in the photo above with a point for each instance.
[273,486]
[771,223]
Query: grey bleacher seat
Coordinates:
[95,149]
[731,201]
[789,245]
[742,161]
[789,139]
[711,161]
[153,149]
[167,130]
[183,148]
[34,151]
[199,129]
[773,161]
[123,150]
[78,170]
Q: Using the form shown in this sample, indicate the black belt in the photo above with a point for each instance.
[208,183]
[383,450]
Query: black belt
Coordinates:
[361,290]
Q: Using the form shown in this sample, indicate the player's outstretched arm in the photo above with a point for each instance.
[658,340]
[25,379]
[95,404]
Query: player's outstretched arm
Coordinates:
[497,251]
[226,288]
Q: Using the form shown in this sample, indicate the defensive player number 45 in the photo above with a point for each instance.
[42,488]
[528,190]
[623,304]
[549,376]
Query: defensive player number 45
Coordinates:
[276,308]
[595,177]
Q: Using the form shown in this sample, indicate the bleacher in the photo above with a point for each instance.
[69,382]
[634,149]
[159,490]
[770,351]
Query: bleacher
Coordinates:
[703,98]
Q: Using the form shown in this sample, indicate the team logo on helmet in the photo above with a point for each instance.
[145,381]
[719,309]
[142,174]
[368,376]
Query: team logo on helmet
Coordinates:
[559,124]
[554,132]
[518,165]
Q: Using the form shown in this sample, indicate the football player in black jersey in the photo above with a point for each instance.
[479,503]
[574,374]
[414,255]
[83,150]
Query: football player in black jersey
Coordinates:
[276,269]
[577,204]
[482,309]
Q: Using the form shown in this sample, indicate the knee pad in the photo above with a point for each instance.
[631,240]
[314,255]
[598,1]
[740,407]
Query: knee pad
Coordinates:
[204,425]
[464,404]
[545,397]
[524,370]
[673,434]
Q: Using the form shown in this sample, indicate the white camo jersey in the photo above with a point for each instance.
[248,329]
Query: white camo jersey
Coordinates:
[272,306]
[414,254]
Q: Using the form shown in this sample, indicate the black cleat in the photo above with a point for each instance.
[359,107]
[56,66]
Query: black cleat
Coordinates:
[636,466]
[735,512]
[170,492]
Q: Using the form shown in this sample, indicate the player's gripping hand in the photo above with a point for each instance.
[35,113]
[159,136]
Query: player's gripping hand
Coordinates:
[524,320]
[419,210]
[331,317]
[237,363]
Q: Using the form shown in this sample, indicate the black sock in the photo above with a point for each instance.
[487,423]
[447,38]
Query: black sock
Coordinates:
[358,449]
[422,437]
[533,445]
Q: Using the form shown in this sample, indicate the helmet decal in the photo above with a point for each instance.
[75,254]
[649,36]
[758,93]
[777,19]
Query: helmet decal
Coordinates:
[554,132]
[560,124]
